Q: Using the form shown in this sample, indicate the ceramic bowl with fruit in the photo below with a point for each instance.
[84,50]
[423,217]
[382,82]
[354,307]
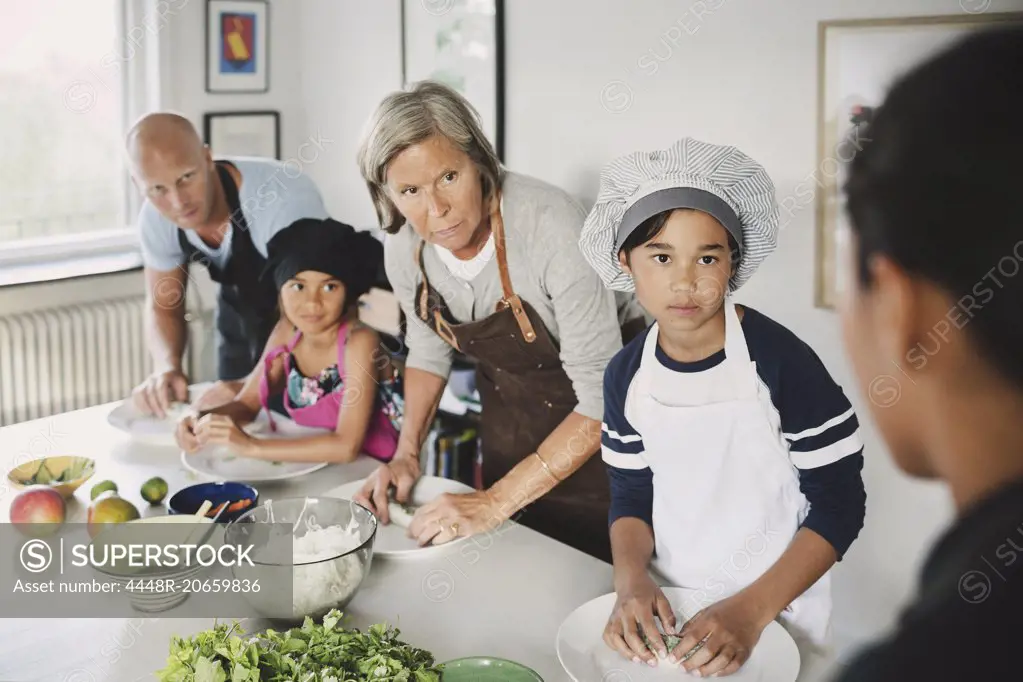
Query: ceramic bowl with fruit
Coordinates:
[65,474]
[238,498]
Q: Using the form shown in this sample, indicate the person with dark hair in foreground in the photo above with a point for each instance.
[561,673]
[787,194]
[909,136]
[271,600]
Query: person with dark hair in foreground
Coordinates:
[937,251]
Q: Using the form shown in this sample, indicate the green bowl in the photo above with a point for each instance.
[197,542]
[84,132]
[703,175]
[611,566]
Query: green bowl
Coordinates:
[487,669]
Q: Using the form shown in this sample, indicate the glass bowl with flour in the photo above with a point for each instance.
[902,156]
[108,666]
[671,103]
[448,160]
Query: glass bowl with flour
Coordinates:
[309,554]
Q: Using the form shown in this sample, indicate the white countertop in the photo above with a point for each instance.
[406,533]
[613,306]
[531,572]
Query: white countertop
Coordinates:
[504,594]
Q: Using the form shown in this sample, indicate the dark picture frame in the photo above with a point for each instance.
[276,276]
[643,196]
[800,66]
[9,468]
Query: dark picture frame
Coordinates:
[244,138]
[238,56]
[443,40]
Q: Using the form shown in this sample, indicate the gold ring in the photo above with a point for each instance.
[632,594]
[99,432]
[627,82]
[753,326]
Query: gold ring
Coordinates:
[454,529]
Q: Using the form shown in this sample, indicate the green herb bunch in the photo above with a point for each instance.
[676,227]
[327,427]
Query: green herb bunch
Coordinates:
[310,653]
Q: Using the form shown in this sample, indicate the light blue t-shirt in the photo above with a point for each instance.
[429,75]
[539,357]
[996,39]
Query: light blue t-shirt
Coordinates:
[272,196]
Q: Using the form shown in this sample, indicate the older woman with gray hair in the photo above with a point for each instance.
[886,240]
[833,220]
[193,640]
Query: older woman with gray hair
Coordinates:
[486,261]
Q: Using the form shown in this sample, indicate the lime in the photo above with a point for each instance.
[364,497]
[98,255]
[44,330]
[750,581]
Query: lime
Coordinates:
[101,488]
[154,490]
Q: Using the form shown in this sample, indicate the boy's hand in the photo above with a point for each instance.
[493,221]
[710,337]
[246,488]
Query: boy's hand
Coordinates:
[639,601]
[728,631]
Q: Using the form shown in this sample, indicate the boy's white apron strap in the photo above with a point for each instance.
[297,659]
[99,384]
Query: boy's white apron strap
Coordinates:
[737,359]
[736,366]
[727,501]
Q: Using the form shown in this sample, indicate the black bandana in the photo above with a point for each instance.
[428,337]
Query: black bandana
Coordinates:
[336,249]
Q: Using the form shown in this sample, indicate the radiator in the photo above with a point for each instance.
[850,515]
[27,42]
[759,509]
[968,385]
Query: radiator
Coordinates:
[67,358]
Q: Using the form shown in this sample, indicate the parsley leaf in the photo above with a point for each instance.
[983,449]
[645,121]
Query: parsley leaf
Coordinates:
[324,652]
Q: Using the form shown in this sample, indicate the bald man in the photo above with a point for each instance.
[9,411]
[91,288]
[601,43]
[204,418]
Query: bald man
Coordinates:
[220,215]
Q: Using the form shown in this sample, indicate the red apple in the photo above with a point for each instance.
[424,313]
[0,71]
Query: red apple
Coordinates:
[38,510]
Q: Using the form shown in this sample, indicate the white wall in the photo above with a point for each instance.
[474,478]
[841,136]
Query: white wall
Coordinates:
[351,58]
[741,72]
[186,71]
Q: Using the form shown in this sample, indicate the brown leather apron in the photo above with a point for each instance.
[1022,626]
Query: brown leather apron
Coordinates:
[524,394]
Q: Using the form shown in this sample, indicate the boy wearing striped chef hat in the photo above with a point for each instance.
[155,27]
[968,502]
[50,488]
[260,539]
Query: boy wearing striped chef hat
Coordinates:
[734,458]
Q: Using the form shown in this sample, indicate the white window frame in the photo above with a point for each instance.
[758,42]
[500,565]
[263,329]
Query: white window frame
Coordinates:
[143,27]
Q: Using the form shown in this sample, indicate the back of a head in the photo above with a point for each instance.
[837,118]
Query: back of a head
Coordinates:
[937,186]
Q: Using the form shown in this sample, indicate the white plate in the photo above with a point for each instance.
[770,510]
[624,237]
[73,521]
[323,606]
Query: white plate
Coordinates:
[152,430]
[219,463]
[391,541]
[585,656]
[147,429]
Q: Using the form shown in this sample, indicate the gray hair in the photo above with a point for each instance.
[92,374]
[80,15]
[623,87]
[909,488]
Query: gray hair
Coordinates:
[408,117]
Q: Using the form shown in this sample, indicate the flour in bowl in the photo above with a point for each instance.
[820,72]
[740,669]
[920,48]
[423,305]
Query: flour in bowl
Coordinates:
[314,541]
[323,584]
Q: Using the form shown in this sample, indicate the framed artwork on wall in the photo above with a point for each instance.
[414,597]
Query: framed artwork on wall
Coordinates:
[237,57]
[459,43]
[857,61]
[243,133]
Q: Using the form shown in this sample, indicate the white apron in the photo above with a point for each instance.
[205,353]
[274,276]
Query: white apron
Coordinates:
[727,501]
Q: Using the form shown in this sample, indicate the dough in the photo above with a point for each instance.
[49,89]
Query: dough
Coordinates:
[176,411]
[401,514]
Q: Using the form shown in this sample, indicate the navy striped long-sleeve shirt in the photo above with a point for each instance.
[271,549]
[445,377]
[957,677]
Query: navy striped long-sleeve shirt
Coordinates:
[817,421]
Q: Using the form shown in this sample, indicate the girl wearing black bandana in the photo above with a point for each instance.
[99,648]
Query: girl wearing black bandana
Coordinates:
[332,372]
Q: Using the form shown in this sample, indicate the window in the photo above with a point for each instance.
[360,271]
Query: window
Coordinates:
[62,104]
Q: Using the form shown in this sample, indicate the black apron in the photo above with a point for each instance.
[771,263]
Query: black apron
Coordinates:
[525,394]
[246,307]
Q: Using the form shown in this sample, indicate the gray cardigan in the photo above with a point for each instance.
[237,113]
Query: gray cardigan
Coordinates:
[542,225]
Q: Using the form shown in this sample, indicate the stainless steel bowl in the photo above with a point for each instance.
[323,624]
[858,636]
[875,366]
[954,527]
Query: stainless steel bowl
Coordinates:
[311,585]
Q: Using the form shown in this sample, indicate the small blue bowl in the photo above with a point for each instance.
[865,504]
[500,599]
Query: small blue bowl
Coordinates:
[187,500]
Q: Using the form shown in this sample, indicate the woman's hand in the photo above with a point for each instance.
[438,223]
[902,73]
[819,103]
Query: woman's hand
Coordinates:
[219,429]
[728,629]
[453,515]
[402,472]
[184,434]
[639,602]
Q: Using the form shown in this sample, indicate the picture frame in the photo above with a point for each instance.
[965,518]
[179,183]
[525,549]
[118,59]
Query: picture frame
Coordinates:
[237,46]
[459,43]
[243,133]
[857,61]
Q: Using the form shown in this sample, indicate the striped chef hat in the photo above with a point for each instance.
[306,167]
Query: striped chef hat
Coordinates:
[716,179]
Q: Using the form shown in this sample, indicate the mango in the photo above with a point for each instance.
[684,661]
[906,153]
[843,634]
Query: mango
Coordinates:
[101,488]
[108,509]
